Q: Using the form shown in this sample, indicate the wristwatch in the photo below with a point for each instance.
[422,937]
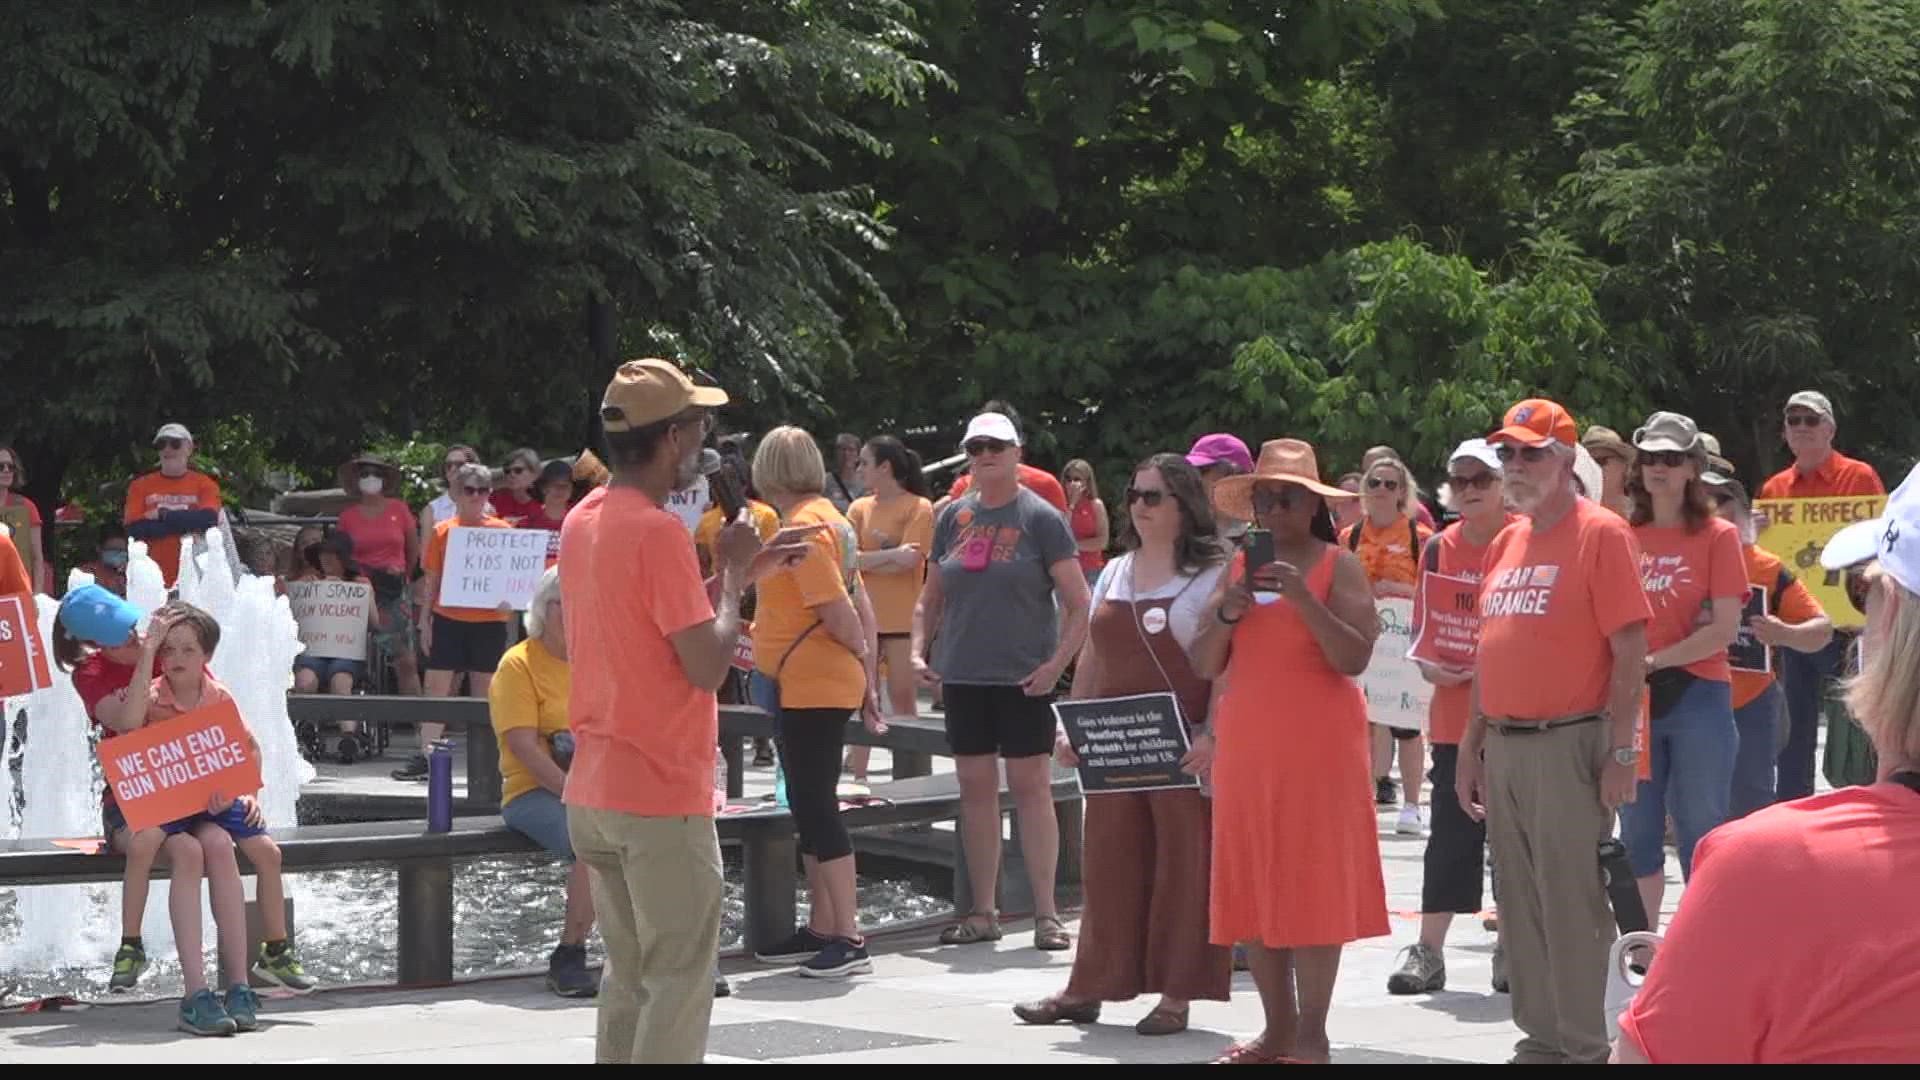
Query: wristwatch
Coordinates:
[1627,755]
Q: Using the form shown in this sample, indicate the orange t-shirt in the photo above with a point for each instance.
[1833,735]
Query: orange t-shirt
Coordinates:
[905,519]
[13,577]
[1391,554]
[1838,475]
[436,562]
[1039,481]
[645,737]
[158,491]
[1548,603]
[1682,573]
[819,672]
[1795,941]
[1449,554]
[1792,605]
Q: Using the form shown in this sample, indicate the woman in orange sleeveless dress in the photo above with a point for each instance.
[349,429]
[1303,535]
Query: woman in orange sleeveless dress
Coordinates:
[1296,851]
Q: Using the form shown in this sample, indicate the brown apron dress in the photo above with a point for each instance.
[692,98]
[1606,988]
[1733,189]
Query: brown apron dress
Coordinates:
[1143,924]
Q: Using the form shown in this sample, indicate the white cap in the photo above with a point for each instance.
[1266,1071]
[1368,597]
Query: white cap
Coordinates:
[1479,450]
[1893,537]
[172,431]
[990,425]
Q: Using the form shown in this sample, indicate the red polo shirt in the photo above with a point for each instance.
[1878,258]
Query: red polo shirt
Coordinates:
[1838,475]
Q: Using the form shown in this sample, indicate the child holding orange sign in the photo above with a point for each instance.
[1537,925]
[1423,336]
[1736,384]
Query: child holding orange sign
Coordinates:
[97,637]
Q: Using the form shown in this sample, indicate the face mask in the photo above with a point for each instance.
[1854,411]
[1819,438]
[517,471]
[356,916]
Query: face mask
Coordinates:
[372,485]
[114,558]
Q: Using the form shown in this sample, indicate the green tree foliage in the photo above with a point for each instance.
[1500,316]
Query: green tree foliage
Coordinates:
[1754,187]
[350,216]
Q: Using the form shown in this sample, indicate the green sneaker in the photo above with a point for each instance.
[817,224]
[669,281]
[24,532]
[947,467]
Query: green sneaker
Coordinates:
[283,970]
[128,964]
[202,1014]
[243,1006]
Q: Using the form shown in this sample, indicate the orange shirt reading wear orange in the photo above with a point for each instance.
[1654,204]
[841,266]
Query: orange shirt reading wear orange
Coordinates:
[436,563]
[1390,553]
[1795,941]
[819,672]
[1039,481]
[13,576]
[645,737]
[158,491]
[1838,475]
[1682,572]
[903,519]
[1450,554]
[1793,605]
[1548,603]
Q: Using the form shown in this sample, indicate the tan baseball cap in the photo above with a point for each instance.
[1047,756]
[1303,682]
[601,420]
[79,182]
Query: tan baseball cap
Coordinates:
[1813,400]
[647,391]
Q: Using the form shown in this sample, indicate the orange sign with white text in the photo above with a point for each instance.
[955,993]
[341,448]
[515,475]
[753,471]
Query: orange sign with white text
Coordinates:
[168,771]
[23,662]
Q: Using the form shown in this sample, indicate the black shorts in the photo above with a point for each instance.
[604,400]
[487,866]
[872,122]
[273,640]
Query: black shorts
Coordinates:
[896,637]
[1404,733]
[1001,720]
[466,646]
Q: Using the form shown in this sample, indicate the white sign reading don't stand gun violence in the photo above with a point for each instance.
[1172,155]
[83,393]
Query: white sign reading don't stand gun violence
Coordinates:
[333,617]
[486,567]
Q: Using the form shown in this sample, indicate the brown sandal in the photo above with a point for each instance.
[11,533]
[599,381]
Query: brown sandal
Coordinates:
[1050,934]
[1162,1021]
[1055,1009]
[969,930]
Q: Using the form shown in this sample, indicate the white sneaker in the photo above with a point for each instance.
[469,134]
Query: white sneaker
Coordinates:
[1409,824]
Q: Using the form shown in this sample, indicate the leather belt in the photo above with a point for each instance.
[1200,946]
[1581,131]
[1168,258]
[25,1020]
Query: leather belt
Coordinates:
[1549,725]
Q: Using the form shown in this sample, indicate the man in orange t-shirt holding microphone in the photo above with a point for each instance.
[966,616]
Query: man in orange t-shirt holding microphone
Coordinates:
[648,651]
[171,503]
[1556,703]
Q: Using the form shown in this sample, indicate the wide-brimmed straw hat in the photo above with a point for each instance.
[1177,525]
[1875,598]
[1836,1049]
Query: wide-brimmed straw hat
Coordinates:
[389,474]
[1286,461]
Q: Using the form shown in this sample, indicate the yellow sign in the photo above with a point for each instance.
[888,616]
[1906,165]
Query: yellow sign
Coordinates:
[1798,529]
[18,521]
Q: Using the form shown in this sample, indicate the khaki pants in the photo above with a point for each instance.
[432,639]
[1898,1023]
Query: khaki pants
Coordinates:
[1545,823]
[656,893]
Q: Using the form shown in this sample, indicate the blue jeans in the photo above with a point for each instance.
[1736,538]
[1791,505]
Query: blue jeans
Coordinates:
[1759,722]
[1693,746]
[541,817]
[1804,678]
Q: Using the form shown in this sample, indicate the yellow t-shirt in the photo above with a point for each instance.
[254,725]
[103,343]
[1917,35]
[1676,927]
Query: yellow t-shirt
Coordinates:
[820,673]
[529,691]
[766,521]
[904,519]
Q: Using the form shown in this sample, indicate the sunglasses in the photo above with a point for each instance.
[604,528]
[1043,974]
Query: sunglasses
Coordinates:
[1150,497]
[977,447]
[1481,482]
[368,470]
[1375,483]
[1266,500]
[1858,588]
[1804,419]
[7,466]
[172,444]
[1666,459]
[477,490]
[1532,455]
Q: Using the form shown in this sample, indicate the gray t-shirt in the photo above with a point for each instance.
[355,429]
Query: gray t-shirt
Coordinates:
[999,623]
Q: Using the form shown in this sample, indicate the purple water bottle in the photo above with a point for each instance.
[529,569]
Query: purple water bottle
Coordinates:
[440,787]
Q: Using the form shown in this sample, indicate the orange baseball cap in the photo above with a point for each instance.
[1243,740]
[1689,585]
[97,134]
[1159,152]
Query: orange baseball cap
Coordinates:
[1537,422]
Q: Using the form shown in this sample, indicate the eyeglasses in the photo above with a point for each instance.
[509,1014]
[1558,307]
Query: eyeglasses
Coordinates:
[1666,459]
[1375,483]
[1150,497]
[1480,482]
[977,447]
[1804,419]
[1859,587]
[368,470]
[1532,455]
[517,470]
[172,444]
[477,490]
[1266,500]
